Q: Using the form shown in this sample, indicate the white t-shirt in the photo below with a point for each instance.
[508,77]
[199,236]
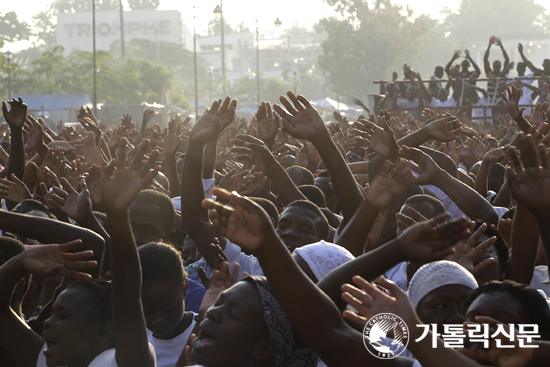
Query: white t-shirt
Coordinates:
[477,112]
[167,352]
[449,102]
[105,359]
[248,263]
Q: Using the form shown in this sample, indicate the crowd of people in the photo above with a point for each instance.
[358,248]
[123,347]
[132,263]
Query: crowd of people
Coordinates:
[460,91]
[274,241]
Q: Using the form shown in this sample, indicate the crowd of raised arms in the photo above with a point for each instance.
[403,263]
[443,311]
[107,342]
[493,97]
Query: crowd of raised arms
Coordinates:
[272,242]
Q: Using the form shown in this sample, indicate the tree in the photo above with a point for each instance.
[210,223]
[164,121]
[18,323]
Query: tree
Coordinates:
[483,18]
[215,30]
[367,43]
[11,29]
[144,4]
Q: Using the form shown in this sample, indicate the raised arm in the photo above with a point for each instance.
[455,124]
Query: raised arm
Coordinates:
[486,63]
[302,121]
[474,65]
[506,65]
[466,198]
[15,117]
[16,339]
[512,106]
[322,326]
[120,187]
[456,55]
[528,63]
[194,218]
[254,151]
[171,145]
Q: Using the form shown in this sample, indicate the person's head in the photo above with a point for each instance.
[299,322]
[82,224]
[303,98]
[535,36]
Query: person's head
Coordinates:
[546,66]
[152,217]
[426,205]
[162,180]
[437,290]
[319,259]
[300,175]
[411,93]
[29,205]
[287,161]
[302,223]
[390,89]
[269,208]
[471,95]
[510,303]
[438,72]
[497,65]
[521,68]
[79,327]
[189,251]
[465,65]
[390,229]
[313,194]
[163,289]
[433,89]
[442,94]
[322,181]
[246,326]
[499,269]
[496,176]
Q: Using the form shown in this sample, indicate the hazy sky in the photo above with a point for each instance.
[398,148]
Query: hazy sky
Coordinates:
[303,12]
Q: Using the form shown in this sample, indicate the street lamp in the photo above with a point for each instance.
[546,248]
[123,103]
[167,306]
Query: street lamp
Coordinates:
[218,13]
[8,59]
[278,23]
[258,60]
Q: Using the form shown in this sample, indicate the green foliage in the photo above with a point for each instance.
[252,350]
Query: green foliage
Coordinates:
[144,4]
[11,29]
[366,43]
[479,19]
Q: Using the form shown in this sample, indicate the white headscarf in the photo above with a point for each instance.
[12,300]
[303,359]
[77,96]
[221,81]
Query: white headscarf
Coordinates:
[437,274]
[322,257]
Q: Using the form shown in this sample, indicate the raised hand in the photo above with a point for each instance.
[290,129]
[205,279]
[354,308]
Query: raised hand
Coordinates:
[54,260]
[497,155]
[530,184]
[214,121]
[71,203]
[391,181]
[538,113]
[378,139]
[302,121]
[252,151]
[233,180]
[423,164]
[375,301]
[465,253]
[172,138]
[431,241]
[87,119]
[125,121]
[93,152]
[477,147]
[76,172]
[512,102]
[244,223]
[15,191]
[452,149]
[147,115]
[268,124]
[121,184]
[445,129]
[17,114]
[33,131]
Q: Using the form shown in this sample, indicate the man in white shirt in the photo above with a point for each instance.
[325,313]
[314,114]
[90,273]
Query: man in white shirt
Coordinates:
[479,112]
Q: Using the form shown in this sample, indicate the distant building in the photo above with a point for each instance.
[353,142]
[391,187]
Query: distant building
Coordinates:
[74,30]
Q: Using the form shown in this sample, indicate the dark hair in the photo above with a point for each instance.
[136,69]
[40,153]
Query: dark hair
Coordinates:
[308,205]
[496,176]
[9,247]
[509,214]
[532,301]
[436,204]
[313,194]
[166,206]
[304,175]
[323,173]
[160,261]
[333,220]
[29,205]
[269,207]
[99,299]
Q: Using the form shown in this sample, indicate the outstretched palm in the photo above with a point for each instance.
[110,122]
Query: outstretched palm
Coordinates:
[17,114]
[302,121]
[214,121]
[121,184]
[246,225]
